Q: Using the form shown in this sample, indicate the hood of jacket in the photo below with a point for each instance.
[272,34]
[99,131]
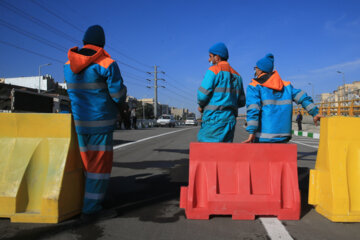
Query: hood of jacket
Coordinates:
[273,82]
[79,62]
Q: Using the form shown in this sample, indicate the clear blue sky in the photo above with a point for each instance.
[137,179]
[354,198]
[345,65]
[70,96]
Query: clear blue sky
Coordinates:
[311,40]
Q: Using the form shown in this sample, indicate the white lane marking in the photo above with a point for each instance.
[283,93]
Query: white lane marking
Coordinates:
[148,138]
[304,144]
[305,141]
[275,229]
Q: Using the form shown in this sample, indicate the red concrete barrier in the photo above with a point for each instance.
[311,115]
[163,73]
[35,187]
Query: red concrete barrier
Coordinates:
[242,180]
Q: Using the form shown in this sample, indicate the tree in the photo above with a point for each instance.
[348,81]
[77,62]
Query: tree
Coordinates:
[149,110]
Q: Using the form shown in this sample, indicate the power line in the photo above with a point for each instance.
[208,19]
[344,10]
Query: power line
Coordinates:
[176,86]
[137,80]
[128,65]
[52,29]
[133,75]
[62,34]
[182,96]
[32,36]
[80,30]
[37,21]
[56,15]
[132,83]
[184,92]
[29,51]
[126,56]
[179,98]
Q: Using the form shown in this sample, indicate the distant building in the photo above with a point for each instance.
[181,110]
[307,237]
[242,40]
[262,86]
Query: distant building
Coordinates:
[62,85]
[132,102]
[164,109]
[147,100]
[348,92]
[47,82]
[151,102]
[191,114]
[179,113]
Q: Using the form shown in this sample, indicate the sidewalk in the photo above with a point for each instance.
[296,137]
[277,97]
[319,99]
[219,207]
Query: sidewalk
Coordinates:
[308,130]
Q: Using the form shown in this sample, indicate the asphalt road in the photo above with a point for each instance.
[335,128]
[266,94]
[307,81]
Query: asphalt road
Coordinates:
[149,167]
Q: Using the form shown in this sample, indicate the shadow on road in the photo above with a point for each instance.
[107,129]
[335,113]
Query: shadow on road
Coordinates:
[132,196]
[306,156]
[119,142]
[149,164]
[183,151]
[303,174]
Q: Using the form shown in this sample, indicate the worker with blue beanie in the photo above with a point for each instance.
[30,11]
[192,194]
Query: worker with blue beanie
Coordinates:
[96,90]
[266,64]
[269,104]
[220,49]
[95,35]
[220,95]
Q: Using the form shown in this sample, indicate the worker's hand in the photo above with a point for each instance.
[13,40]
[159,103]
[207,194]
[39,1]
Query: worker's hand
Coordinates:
[317,118]
[201,109]
[250,139]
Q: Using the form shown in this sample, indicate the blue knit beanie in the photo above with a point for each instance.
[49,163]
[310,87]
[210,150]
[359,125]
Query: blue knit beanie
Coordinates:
[266,64]
[220,49]
[95,35]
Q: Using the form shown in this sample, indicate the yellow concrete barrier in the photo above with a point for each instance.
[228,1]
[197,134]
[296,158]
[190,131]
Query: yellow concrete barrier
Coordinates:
[41,177]
[334,185]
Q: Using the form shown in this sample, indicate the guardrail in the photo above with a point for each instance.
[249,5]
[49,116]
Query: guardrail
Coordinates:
[340,108]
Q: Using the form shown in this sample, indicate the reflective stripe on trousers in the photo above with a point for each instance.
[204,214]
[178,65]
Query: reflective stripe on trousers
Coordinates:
[97,156]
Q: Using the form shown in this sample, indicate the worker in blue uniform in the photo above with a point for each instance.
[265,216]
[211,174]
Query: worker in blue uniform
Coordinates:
[269,104]
[95,89]
[220,95]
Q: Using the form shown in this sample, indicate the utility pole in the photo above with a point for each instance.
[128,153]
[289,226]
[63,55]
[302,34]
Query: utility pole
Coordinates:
[156,88]
[155,91]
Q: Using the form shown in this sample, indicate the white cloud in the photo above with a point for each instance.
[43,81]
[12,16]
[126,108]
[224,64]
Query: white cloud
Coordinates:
[332,25]
[326,79]
[344,26]
[337,67]
[346,66]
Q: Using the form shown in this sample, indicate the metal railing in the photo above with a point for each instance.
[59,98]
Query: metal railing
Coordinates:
[339,108]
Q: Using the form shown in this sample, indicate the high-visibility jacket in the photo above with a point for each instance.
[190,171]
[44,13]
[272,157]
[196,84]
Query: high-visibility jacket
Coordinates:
[220,95]
[95,87]
[269,106]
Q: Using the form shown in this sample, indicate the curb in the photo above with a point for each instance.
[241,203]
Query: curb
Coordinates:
[306,134]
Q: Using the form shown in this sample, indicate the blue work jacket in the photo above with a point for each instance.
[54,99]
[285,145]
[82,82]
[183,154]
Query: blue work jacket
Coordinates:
[95,87]
[220,95]
[269,106]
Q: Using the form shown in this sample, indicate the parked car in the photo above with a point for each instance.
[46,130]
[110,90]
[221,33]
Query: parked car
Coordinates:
[191,121]
[166,120]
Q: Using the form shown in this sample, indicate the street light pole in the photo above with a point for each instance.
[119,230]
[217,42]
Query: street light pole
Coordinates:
[143,107]
[343,77]
[47,64]
[312,91]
